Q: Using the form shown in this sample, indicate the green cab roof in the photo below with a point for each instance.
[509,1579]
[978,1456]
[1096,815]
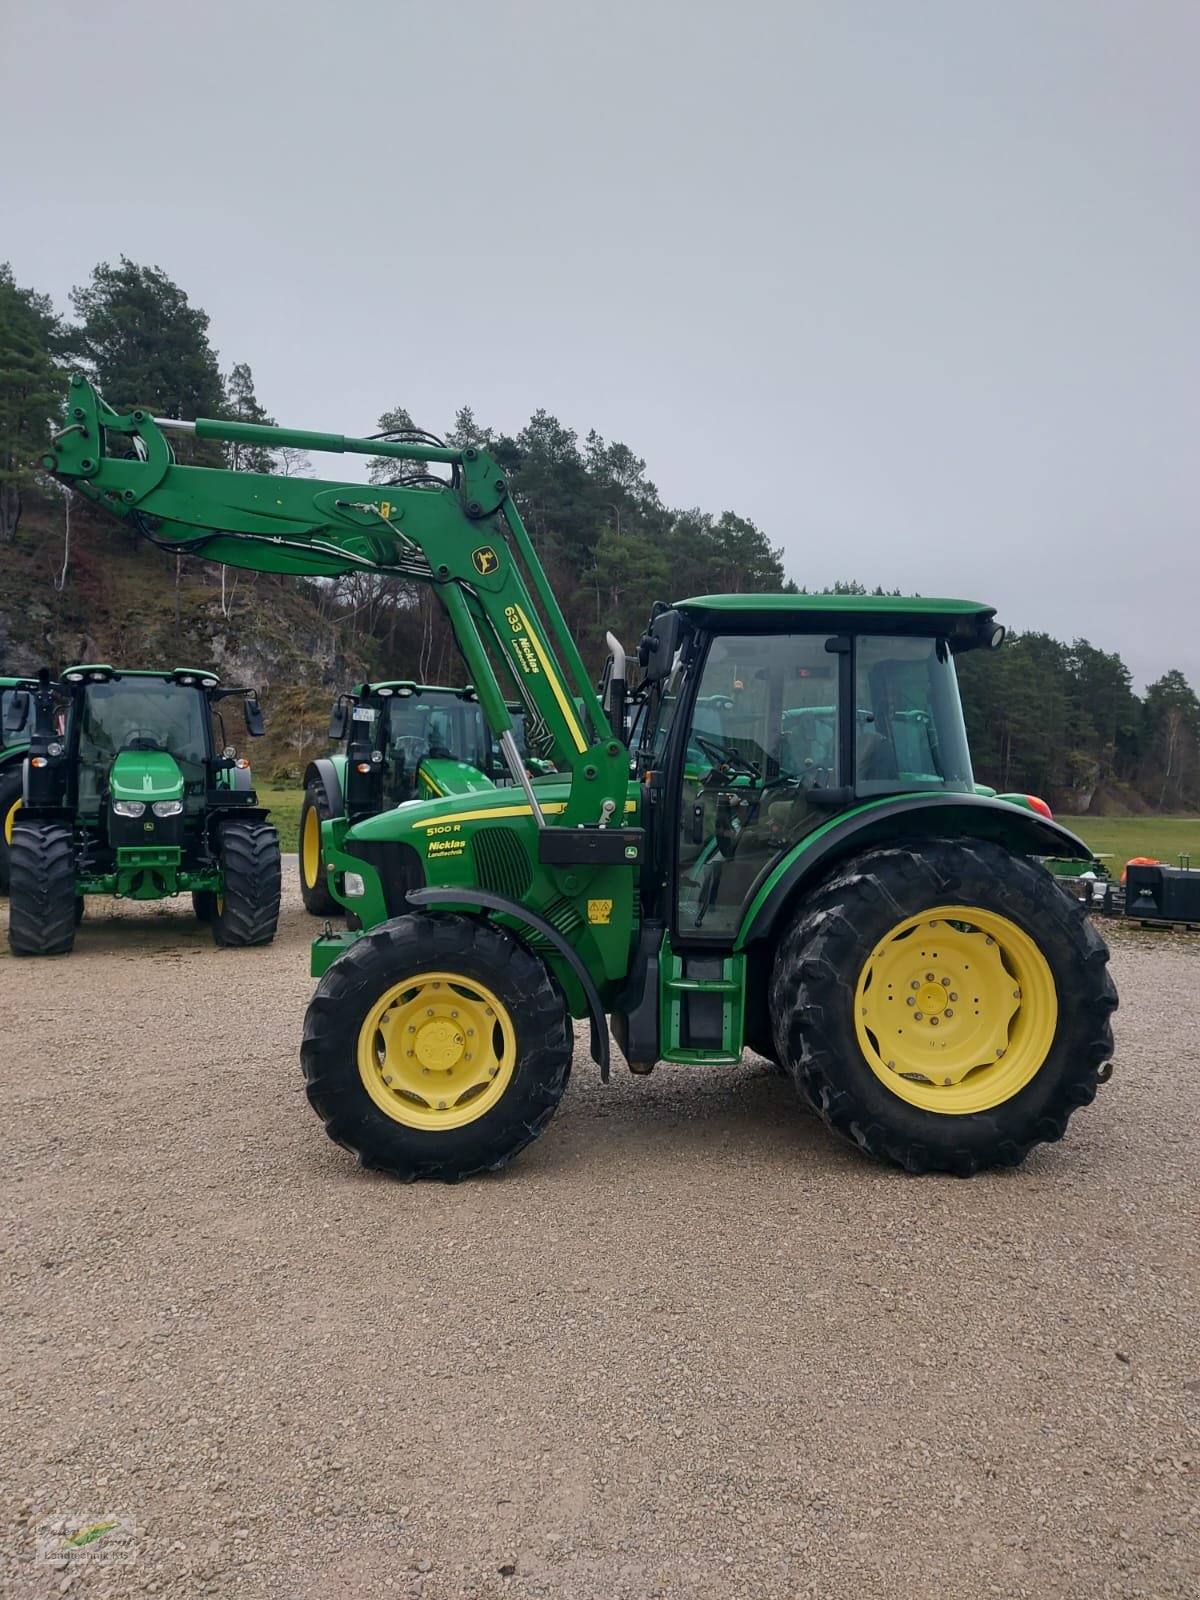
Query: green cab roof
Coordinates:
[963,622]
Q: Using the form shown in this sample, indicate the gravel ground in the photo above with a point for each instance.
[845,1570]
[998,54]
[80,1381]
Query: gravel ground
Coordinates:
[687,1346]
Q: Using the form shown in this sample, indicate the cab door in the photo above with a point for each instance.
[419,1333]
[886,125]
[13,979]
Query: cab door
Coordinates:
[762,736]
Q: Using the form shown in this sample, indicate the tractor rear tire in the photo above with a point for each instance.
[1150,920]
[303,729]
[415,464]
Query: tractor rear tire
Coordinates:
[314,889]
[10,802]
[437,1046]
[944,1008]
[42,899]
[246,911]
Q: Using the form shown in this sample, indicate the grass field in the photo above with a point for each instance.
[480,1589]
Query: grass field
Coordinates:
[285,813]
[1120,837]
[1165,838]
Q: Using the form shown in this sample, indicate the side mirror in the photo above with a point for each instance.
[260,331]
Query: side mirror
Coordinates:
[18,713]
[339,721]
[255,726]
[660,645]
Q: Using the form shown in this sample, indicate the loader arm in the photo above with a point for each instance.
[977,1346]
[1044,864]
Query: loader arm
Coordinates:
[464,537]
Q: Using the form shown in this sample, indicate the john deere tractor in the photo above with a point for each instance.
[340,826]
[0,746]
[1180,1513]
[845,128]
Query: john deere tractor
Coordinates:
[127,793]
[401,741]
[15,716]
[794,857]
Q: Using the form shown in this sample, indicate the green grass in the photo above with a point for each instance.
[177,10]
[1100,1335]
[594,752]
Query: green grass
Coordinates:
[1165,838]
[285,813]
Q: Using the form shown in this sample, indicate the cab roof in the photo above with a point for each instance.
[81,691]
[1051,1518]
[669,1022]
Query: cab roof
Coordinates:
[965,623]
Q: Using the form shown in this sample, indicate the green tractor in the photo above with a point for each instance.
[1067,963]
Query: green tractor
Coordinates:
[127,793]
[401,741]
[794,857]
[15,717]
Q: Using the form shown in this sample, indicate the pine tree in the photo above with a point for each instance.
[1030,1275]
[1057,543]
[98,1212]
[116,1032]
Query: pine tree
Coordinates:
[32,388]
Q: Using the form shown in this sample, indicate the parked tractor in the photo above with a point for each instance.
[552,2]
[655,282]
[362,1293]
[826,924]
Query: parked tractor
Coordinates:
[15,717]
[400,741]
[128,793]
[810,871]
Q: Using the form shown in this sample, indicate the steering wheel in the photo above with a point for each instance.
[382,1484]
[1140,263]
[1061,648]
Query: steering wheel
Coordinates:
[140,739]
[723,756]
[410,747]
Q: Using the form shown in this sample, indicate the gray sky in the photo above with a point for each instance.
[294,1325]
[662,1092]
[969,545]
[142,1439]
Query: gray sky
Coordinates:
[913,283]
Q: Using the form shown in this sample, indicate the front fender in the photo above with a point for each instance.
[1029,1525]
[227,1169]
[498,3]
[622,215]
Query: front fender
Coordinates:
[900,820]
[325,772]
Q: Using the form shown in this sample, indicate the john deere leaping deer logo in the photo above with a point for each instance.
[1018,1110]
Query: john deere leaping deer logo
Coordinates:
[484,560]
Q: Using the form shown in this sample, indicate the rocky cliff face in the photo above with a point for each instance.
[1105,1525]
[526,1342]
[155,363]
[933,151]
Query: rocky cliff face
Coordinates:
[124,602]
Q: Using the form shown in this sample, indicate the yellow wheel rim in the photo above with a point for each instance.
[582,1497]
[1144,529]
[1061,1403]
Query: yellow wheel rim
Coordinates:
[310,854]
[9,819]
[436,1051]
[956,1010]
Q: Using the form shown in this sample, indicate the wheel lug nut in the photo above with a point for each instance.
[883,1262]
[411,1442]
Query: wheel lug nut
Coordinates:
[915,984]
[428,1011]
[945,983]
[920,1016]
[929,977]
[949,1013]
[911,1001]
[954,997]
[933,1022]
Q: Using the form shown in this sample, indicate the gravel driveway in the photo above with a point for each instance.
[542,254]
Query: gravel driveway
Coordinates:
[687,1346]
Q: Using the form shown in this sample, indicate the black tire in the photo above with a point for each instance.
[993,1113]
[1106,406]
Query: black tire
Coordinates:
[247,911]
[376,965]
[204,904]
[10,793]
[42,899]
[848,923]
[315,892]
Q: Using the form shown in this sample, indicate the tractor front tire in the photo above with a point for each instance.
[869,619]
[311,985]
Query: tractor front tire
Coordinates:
[10,805]
[204,904]
[42,900]
[944,1008]
[313,888]
[246,911]
[437,1046]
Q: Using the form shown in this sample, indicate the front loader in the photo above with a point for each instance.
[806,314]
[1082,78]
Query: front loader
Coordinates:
[127,792]
[794,857]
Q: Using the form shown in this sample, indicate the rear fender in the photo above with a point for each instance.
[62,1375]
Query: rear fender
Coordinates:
[904,821]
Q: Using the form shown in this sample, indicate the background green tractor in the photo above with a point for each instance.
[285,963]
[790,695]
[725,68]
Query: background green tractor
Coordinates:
[128,792]
[16,717]
[400,741]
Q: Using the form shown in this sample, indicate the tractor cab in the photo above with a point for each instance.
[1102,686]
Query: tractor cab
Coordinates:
[767,717]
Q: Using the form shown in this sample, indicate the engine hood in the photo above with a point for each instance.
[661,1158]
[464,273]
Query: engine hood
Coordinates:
[146,775]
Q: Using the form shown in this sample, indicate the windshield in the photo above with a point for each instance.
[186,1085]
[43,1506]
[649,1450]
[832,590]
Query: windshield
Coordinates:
[437,724]
[909,731]
[140,714]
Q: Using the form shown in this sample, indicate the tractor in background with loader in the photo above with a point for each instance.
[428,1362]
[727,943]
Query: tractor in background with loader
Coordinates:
[126,792]
[828,886]
[400,741]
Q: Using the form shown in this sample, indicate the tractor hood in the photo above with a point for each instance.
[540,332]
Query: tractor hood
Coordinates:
[146,775]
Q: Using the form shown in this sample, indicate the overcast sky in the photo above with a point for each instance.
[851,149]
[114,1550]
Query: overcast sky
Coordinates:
[913,283]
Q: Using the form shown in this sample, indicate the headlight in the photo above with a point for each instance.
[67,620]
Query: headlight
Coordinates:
[353,885]
[129,808]
[54,749]
[167,808]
